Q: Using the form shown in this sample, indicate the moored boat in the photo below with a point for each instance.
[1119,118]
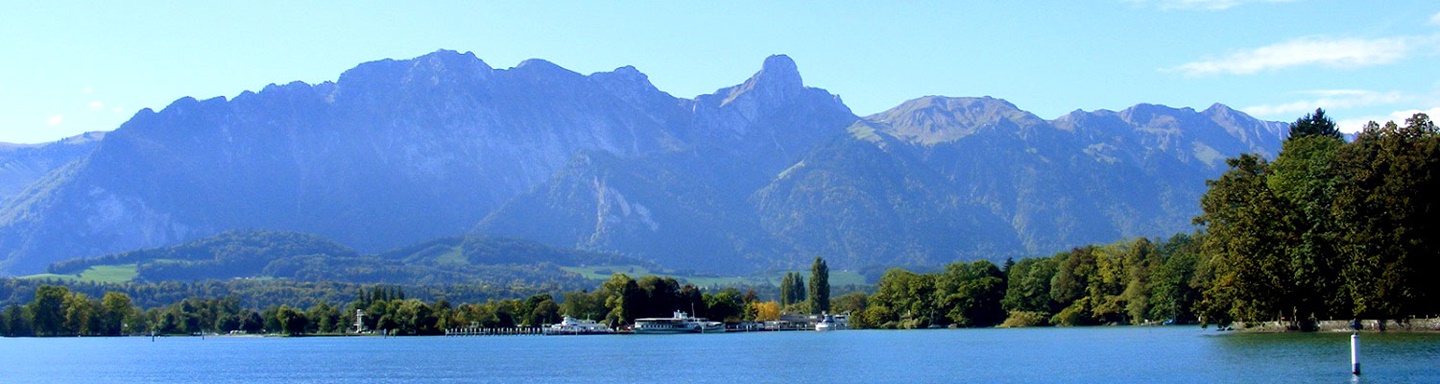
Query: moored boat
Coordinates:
[573,326]
[680,323]
[830,322]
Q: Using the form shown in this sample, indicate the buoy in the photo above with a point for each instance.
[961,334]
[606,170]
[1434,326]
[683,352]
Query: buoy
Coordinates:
[1355,353]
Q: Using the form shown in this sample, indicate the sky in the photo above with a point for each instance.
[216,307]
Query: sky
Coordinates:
[75,66]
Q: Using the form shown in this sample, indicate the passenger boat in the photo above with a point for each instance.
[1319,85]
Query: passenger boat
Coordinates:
[573,326]
[680,323]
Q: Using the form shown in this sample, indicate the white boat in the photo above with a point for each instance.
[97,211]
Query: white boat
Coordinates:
[573,326]
[680,323]
[830,322]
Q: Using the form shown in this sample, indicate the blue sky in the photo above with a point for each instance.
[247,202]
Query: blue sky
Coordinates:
[71,67]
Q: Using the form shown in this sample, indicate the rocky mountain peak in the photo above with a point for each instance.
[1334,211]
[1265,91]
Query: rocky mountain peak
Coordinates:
[448,67]
[451,63]
[1217,108]
[778,79]
[935,119]
[631,85]
[782,68]
[1155,114]
[623,77]
[976,110]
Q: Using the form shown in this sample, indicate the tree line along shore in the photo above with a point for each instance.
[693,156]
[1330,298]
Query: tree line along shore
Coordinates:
[1329,230]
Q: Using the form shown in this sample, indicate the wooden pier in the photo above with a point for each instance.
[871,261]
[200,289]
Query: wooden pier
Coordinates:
[481,331]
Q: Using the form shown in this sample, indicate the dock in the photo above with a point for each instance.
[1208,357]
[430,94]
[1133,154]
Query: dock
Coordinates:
[482,331]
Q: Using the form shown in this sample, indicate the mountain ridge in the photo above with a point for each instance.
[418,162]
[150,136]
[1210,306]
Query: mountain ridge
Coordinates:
[754,175]
[23,164]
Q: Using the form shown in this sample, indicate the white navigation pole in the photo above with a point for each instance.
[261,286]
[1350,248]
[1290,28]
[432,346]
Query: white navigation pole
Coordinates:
[1355,352]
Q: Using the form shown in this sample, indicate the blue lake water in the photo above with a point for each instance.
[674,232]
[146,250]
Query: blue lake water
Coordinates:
[1095,354]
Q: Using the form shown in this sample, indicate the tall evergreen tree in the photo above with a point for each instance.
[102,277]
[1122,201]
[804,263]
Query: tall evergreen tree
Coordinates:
[786,294]
[1315,124]
[797,288]
[819,286]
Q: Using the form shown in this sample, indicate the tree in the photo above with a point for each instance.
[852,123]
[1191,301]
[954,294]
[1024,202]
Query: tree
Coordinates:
[115,310]
[227,323]
[819,286]
[903,299]
[17,322]
[969,294]
[533,318]
[689,298]
[1315,124]
[414,317]
[48,310]
[622,299]
[546,312]
[766,311]
[291,321]
[251,322]
[1172,293]
[324,318]
[724,305]
[784,289]
[1305,179]
[853,302]
[78,312]
[788,294]
[1140,259]
[583,305]
[1072,277]
[1029,286]
[1386,205]
[1242,251]
[659,297]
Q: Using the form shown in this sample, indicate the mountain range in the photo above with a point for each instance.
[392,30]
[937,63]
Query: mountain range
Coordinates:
[765,174]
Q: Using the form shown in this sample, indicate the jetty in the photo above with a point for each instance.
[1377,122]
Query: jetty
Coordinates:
[483,331]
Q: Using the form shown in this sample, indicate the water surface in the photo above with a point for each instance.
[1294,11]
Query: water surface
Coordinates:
[1096,354]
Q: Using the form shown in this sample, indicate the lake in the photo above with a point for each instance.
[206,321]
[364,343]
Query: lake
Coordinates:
[1089,354]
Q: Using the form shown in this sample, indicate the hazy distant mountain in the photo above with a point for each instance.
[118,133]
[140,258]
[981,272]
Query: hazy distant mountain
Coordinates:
[22,164]
[761,174]
[937,179]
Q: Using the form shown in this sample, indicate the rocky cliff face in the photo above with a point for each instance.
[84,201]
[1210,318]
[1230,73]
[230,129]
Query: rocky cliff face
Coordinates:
[766,173]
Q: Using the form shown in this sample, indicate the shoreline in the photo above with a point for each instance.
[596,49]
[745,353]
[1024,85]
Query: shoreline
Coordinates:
[1419,325]
[1422,325]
